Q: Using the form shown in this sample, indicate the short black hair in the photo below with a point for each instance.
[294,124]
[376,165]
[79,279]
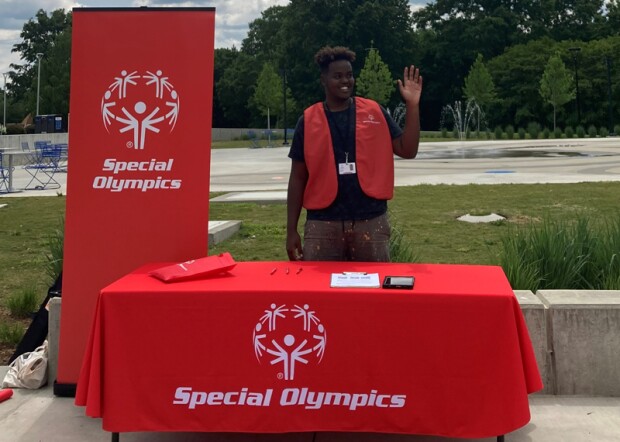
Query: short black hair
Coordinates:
[326,55]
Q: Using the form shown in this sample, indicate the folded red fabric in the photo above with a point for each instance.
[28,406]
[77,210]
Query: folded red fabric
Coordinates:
[195,268]
[5,394]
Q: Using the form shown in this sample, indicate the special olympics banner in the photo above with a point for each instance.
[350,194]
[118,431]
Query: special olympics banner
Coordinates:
[138,182]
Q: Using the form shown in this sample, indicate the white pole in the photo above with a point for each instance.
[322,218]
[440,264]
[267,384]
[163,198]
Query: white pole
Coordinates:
[4,74]
[39,56]
[268,130]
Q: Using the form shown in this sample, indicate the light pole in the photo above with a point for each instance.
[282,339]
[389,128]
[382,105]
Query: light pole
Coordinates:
[4,74]
[575,51]
[39,56]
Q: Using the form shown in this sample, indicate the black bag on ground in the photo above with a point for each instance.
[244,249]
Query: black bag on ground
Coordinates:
[37,331]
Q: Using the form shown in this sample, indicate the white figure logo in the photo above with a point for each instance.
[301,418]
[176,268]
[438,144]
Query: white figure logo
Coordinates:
[297,337]
[139,104]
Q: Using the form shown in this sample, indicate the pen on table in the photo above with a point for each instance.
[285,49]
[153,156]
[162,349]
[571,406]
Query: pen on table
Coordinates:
[299,270]
[273,271]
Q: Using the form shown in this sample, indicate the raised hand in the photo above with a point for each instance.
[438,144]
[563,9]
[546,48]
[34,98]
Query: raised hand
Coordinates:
[411,85]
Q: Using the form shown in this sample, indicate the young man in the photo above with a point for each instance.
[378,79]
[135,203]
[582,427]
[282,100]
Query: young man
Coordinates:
[342,168]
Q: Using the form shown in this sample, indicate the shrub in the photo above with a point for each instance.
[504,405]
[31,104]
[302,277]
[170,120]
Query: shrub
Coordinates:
[592,132]
[603,132]
[557,133]
[444,132]
[22,304]
[488,133]
[455,132]
[546,133]
[11,334]
[55,257]
[400,248]
[563,255]
[534,130]
[468,133]
[617,129]
[499,133]
[510,132]
[568,131]
[580,131]
[521,133]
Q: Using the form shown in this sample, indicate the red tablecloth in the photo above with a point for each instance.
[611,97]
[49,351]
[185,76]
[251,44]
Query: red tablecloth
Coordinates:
[257,351]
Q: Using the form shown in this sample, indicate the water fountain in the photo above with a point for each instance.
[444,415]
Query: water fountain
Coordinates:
[462,119]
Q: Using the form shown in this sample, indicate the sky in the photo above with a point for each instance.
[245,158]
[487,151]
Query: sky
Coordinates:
[231,17]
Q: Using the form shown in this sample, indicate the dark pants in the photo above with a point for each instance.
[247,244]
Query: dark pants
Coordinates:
[363,240]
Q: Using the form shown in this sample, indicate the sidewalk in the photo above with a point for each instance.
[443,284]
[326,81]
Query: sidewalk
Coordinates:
[37,415]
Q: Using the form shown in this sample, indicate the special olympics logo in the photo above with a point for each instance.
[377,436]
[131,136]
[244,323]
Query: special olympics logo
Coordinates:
[289,336]
[140,103]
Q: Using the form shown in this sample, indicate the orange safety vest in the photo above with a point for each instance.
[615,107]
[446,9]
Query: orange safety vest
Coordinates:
[373,151]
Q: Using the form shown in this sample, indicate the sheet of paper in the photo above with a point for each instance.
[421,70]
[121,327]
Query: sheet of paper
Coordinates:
[352,279]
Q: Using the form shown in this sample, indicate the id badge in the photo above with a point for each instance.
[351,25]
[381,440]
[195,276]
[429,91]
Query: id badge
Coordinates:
[346,168]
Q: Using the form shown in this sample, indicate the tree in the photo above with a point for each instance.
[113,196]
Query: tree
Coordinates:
[235,86]
[267,96]
[55,84]
[45,34]
[517,75]
[556,84]
[375,81]
[479,86]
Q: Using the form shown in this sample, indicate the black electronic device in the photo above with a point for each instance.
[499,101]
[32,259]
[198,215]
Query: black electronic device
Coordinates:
[398,282]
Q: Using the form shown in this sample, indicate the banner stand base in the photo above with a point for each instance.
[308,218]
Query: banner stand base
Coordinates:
[64,390]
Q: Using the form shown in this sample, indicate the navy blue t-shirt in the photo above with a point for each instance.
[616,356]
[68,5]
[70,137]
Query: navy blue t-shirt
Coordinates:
[351,202]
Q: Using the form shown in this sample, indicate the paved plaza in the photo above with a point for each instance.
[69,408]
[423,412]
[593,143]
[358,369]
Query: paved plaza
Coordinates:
[249,171]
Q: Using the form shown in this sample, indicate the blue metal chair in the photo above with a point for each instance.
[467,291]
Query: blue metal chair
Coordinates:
[253,139]
[45,164]
[4,176]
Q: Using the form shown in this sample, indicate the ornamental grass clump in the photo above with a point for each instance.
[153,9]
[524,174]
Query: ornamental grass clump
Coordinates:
[400,247]
[563,255]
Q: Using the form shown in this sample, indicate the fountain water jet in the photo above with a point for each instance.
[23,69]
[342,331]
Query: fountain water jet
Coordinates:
[462,119]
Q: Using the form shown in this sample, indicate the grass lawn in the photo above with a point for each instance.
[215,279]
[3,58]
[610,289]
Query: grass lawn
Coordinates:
[425,214]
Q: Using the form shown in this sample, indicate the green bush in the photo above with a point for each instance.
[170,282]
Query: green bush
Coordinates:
[580,131]
[499,133]
[561,255]
[24,303]
[603,132]
[11,334]
[455,132]
[521,133]
[617,129]
[400,248]
[592,132]
[557,133]
[444,132]
[533,129]
[55,257]
[510,132]
[546,133]
[568,131]
[488,133]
